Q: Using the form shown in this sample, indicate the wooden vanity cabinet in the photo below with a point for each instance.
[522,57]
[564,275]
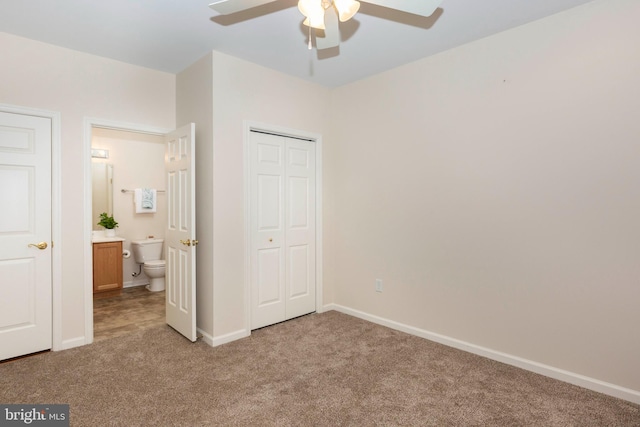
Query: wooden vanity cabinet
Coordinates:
[107,267]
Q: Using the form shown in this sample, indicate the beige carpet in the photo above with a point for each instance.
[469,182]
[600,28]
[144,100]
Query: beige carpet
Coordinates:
[319,370]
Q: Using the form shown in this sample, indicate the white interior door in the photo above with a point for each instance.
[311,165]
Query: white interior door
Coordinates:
[300,229]
[25,234]
[180,236]
[282,216]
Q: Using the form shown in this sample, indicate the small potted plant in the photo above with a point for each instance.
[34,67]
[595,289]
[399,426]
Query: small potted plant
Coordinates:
[108,223]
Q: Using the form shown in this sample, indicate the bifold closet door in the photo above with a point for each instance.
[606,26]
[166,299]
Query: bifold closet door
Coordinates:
[282,210]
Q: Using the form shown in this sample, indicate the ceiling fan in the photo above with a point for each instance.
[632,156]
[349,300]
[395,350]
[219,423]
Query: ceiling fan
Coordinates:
[325,15]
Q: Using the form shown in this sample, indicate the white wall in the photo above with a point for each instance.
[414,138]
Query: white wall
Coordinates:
[78,85]
[494,189]
[240,91]
[244,91]
[194,97]
[138,162]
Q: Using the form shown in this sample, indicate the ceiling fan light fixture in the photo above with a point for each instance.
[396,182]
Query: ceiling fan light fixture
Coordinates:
[313,11]
[318,25]
[304,6]
[346,9]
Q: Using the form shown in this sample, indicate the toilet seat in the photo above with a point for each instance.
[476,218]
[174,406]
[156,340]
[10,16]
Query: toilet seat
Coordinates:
[155,264]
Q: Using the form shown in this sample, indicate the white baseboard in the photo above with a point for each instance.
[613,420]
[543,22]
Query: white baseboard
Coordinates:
[134,283]
[223,339]
[529,365]
[72,342]
[205,336]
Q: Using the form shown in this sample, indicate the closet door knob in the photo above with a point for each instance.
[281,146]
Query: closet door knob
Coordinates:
[186,242]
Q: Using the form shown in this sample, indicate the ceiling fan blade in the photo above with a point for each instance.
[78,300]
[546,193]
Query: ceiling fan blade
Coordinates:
[417,7]
[331,31]
[225,7]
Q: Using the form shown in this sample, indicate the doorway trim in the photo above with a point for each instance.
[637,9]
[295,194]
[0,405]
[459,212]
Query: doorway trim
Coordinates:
[56,217]
[291,133]
[89,124]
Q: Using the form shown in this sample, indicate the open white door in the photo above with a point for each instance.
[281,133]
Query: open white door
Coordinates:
[180,236]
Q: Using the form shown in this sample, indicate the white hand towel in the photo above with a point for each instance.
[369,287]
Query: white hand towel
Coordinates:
[145,200]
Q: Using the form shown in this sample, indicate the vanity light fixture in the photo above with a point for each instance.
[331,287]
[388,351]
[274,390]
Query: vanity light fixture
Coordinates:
[99,153]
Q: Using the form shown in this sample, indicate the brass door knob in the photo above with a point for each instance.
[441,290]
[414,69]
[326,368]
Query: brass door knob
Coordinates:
[42,245]
[186,242]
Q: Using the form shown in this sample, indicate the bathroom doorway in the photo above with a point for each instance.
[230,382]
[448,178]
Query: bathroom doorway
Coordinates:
[121,161]
[133,309]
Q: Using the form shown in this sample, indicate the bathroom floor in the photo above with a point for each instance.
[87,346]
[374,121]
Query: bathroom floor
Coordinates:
[136,308]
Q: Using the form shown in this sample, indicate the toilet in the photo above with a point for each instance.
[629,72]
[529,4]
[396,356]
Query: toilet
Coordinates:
[148,252]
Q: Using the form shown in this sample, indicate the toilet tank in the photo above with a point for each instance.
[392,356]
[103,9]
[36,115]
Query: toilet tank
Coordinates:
[147,250]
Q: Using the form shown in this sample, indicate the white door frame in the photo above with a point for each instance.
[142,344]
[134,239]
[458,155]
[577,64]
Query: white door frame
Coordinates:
[89,124]
[294,133]
[56,215]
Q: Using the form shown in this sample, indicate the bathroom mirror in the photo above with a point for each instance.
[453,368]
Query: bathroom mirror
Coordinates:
[102,187]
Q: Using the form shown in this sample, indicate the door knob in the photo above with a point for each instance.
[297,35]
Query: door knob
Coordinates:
[41,245]
[186,242]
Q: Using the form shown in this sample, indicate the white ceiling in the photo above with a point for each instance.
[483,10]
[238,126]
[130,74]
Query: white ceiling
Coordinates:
[169,35]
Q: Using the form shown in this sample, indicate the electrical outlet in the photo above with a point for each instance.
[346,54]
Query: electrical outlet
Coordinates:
[378,285]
